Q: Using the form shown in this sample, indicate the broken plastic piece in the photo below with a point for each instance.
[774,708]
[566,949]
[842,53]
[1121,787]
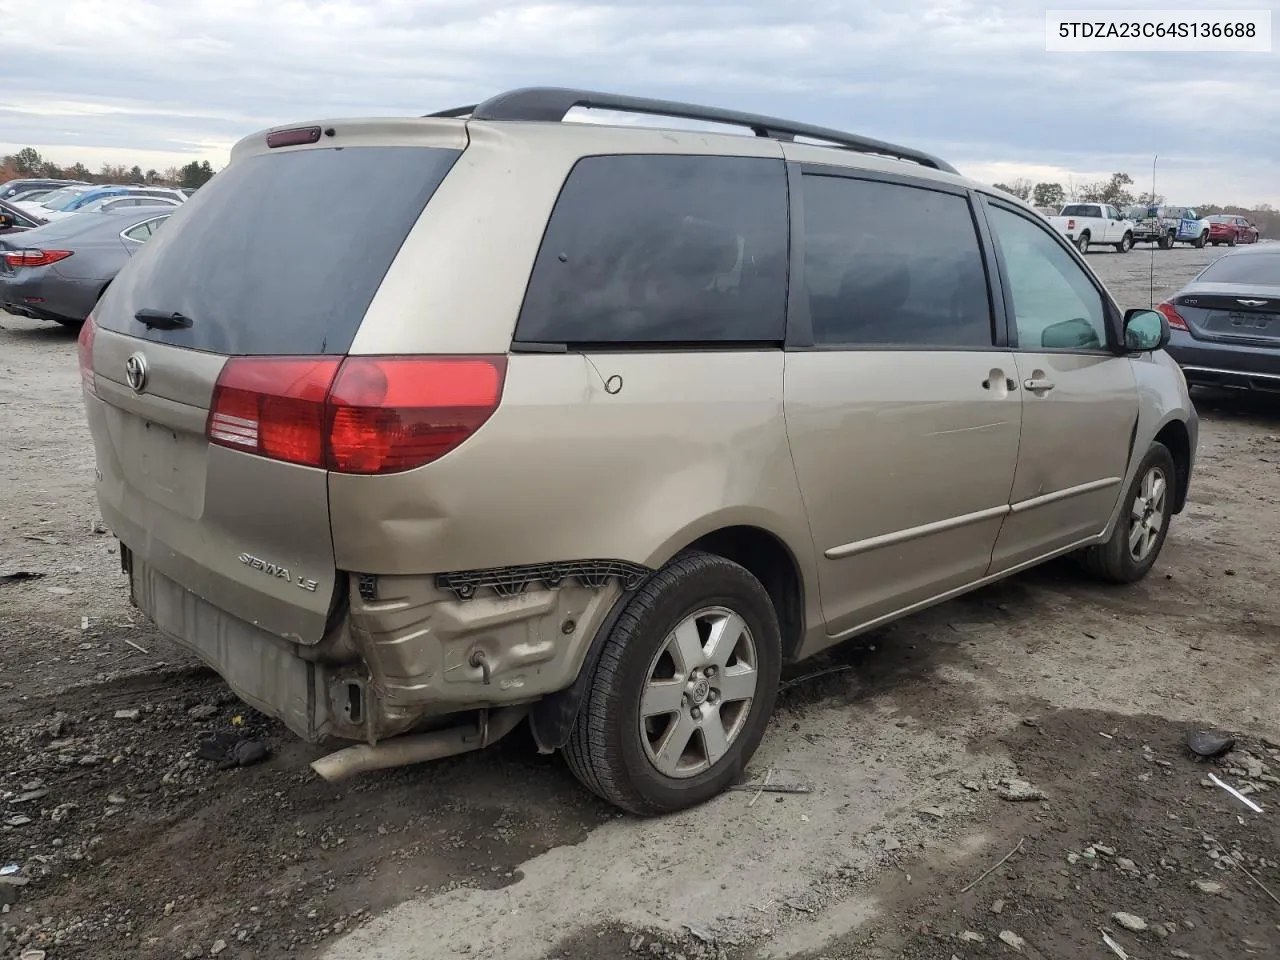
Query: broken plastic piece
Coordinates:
[1115,947]
[1237,794]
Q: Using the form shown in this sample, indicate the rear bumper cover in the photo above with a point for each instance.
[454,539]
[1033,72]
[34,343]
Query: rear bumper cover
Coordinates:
[1237,366]
[410,651]
[43,294]
[263,670]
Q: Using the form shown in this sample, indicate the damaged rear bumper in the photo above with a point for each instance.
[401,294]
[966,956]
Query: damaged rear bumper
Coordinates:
[401,653]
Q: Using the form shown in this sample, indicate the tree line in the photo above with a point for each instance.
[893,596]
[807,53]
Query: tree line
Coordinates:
[1116,191]
[27,162]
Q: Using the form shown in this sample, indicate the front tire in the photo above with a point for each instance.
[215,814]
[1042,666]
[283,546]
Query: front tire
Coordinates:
[683,690]
[1125,244]
[1230,243]
[1140,531]
[1082,244]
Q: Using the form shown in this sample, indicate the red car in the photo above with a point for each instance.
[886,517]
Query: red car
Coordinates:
[1230,229]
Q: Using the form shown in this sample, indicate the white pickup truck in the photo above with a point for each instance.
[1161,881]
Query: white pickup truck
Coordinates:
[1089,223]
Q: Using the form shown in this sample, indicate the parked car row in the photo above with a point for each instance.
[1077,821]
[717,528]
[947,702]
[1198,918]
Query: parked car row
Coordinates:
[63,241]
[73,198]
[57,271]
[27,187]
[1100,224]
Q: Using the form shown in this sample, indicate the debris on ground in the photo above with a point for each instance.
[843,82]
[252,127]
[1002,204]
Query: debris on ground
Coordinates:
[1011,939]
[1209,743]
[1019,791]
[18,576]
[1133,924]
[229,750]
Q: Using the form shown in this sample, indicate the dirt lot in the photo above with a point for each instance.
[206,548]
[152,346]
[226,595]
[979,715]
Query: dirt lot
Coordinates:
[132,846]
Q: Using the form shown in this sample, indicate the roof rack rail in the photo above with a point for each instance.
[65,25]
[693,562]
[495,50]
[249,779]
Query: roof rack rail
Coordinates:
[552,104]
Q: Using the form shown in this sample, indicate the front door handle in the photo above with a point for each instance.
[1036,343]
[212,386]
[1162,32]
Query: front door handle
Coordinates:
[1038,385]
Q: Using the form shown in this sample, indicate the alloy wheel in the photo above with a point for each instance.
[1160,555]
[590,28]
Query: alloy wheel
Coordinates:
[698,692]
[1147,514]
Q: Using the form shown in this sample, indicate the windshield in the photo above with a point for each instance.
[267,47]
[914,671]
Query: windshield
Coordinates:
[61,199]
[1255,269]
[293,284]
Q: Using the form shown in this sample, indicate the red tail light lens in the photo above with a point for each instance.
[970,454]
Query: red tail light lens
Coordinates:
[273,406]
[84,348]
[390,415]
[362,415]
[34,258]
[1071,224]
[1172,315]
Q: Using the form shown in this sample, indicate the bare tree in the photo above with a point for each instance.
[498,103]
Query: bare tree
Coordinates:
[1020,188]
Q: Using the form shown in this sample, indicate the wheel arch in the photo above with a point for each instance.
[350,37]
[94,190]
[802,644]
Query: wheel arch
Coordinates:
[748,537]
[1177,438]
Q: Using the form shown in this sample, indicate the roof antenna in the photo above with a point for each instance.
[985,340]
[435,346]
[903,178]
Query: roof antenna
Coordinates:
[1151,276]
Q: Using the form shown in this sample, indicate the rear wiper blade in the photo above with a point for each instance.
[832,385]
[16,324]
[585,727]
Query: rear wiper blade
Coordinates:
[159,320]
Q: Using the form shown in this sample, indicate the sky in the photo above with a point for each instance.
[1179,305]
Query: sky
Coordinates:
[161,83]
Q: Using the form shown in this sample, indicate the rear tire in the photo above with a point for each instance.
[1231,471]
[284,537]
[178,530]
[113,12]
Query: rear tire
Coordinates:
[1082,243]
[1230,243]
[650,691]
[1165,242]
[1136,542]
[1199,241]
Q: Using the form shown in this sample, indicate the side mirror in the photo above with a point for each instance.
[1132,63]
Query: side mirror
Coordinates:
[1145,330]
[1074,334]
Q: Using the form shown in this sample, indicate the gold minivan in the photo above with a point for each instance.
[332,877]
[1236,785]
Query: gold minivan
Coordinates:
[595,426]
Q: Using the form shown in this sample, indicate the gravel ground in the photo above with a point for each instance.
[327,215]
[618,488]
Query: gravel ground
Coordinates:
[1042,719]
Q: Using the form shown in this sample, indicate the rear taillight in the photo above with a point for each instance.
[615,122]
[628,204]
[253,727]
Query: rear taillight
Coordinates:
[84,348]
[1175,319]
[1071,224]
[363,415]
[34,258]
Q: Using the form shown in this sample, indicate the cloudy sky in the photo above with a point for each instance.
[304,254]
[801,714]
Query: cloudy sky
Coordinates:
[159,82]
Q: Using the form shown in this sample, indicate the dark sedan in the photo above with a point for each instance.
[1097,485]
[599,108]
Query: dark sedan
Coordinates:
[58,271]
[1226,322]
[13,220]
[1230,229]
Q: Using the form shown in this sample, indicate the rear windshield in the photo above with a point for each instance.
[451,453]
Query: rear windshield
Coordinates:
[1259,269]
[280,253]
[1081,210]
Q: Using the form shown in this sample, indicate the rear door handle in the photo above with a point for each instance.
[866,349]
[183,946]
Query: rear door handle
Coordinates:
[1038,385]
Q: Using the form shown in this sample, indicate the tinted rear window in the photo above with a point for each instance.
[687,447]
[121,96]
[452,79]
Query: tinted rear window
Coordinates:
[663,249]
[1082,210]
[280,253]
[1260,269]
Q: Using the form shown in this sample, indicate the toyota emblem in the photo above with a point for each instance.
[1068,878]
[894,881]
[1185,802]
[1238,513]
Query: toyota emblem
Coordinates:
[135,372]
